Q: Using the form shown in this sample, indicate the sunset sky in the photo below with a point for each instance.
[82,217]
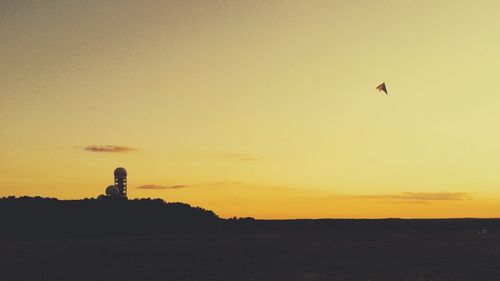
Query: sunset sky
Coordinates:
[256,108]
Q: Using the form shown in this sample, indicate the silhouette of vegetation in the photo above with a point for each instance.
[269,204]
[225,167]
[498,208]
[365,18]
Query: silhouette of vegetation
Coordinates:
[36,217]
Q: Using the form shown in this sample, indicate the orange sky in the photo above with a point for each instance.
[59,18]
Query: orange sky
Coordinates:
[256,108]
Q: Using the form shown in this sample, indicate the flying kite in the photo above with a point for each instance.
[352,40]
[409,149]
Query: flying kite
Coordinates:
[382,87]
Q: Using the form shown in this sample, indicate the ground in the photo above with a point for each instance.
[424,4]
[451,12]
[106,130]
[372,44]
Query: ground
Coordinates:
[260,254]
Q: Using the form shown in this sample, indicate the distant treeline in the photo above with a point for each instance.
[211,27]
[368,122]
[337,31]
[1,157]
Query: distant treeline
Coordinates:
[37,217]
[31,217]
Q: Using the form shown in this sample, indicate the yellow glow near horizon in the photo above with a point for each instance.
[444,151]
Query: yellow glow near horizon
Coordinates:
[258,108]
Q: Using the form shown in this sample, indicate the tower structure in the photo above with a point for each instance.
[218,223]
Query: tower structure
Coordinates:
[121,181]
[112,191]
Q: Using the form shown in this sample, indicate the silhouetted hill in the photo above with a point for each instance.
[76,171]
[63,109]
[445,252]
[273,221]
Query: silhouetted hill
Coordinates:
[36,217]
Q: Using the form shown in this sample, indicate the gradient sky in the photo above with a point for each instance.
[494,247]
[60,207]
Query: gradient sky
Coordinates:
[256,108]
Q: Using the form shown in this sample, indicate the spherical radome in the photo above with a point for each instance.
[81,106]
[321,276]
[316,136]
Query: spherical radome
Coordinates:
[120,172]
[112,190]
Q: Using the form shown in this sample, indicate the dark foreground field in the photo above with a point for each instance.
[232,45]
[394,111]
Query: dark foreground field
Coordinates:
[262,253]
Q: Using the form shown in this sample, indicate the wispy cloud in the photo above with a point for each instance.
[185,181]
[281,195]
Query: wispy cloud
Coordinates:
[159,187]
[414,197]
[242,156]
[179,186]
[109,148]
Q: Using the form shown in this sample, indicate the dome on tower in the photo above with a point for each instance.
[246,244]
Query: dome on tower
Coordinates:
[112,191]
[120,172]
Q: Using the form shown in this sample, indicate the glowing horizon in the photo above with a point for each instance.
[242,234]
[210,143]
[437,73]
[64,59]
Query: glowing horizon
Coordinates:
[265,109]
